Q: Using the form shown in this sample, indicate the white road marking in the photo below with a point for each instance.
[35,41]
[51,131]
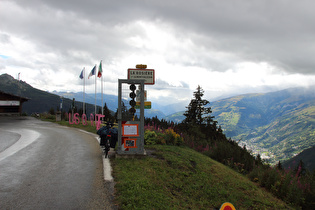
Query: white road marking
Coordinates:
[27,137]
[106,164]
[107,169]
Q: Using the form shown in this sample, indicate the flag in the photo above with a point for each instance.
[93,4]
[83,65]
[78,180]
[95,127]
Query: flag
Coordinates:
[81,75]
[100,70]
[92,72]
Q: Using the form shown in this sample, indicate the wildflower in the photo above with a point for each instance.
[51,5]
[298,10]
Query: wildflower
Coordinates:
[298,171]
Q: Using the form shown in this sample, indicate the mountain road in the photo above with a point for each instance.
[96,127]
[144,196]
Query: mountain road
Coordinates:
[47,166]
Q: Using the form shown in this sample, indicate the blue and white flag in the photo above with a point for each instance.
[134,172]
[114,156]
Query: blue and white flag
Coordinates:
[92,72]
[82,74]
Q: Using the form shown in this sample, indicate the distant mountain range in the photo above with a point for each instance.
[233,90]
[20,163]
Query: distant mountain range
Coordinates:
[110,100]
[42,101]
[278,124]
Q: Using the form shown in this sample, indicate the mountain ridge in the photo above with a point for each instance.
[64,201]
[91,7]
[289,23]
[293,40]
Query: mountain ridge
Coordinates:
[40,101]
[277,125]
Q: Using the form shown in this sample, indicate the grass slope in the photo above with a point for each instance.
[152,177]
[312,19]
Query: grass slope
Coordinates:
[181,178]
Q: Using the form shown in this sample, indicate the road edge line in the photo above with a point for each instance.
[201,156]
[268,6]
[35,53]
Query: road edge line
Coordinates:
[107,169]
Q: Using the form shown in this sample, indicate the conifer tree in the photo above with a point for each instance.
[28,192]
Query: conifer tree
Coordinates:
[125,114]
[300,169]
[279,166]
[108,115]
[197,113]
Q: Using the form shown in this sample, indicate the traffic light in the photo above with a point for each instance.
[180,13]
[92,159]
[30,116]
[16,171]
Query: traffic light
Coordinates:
[132,102]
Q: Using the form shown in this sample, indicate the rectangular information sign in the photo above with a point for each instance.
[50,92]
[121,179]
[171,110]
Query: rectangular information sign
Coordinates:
[148,75]
[147,105]
[130,143]
[130,130]
[9,103]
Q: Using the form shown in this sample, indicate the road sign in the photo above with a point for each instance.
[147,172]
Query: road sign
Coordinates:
[9,103]
[147,105]
[139,95]
[148,75]
[141,66]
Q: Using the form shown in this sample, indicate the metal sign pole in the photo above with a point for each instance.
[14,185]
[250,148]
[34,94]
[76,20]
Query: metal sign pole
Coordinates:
[130,132]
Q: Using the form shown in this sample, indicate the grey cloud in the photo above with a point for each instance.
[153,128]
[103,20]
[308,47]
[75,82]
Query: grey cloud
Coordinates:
[280,32]
[4,38]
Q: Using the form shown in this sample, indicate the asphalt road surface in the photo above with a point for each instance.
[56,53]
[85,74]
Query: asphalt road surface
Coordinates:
[47,166]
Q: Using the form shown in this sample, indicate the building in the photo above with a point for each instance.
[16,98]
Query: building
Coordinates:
[11,104]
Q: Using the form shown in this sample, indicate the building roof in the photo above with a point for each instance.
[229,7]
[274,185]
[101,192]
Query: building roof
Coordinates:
[11,96]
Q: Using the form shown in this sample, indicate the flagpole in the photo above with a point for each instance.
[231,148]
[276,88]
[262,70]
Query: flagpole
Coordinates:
[102,92]
[84,90]
[95,91]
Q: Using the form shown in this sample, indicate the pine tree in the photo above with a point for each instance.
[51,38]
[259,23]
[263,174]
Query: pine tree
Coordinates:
[99,110]
[279,166]
[197,113]
[108,115]
[125,114]
[300,169]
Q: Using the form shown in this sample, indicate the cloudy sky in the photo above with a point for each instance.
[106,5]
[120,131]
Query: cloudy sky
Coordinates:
[227,47]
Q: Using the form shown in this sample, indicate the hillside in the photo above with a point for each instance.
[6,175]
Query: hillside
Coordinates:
[110,100]
[307,156]
[180,178]
[40,101]
[277,125]
[281,123]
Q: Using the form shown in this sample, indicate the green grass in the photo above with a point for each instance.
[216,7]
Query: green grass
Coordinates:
[180,178]
[175,177]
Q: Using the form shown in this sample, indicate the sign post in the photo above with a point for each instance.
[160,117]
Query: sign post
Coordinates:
[130,124]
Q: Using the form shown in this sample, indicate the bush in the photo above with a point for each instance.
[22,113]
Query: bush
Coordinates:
[48,116]
[172,138]
[285,184]
[168,136]
[51,111]
[150,137]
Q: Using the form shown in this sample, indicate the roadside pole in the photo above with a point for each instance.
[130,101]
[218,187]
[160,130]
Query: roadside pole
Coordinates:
[131,123]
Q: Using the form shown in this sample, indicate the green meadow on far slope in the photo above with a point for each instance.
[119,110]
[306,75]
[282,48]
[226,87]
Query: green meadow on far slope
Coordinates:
[173,177]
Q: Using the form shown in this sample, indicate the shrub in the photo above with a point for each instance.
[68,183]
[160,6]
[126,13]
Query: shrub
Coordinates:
[52,111]
[48,116]
[285,184]
[172,138]
[150,137]
[169,137]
